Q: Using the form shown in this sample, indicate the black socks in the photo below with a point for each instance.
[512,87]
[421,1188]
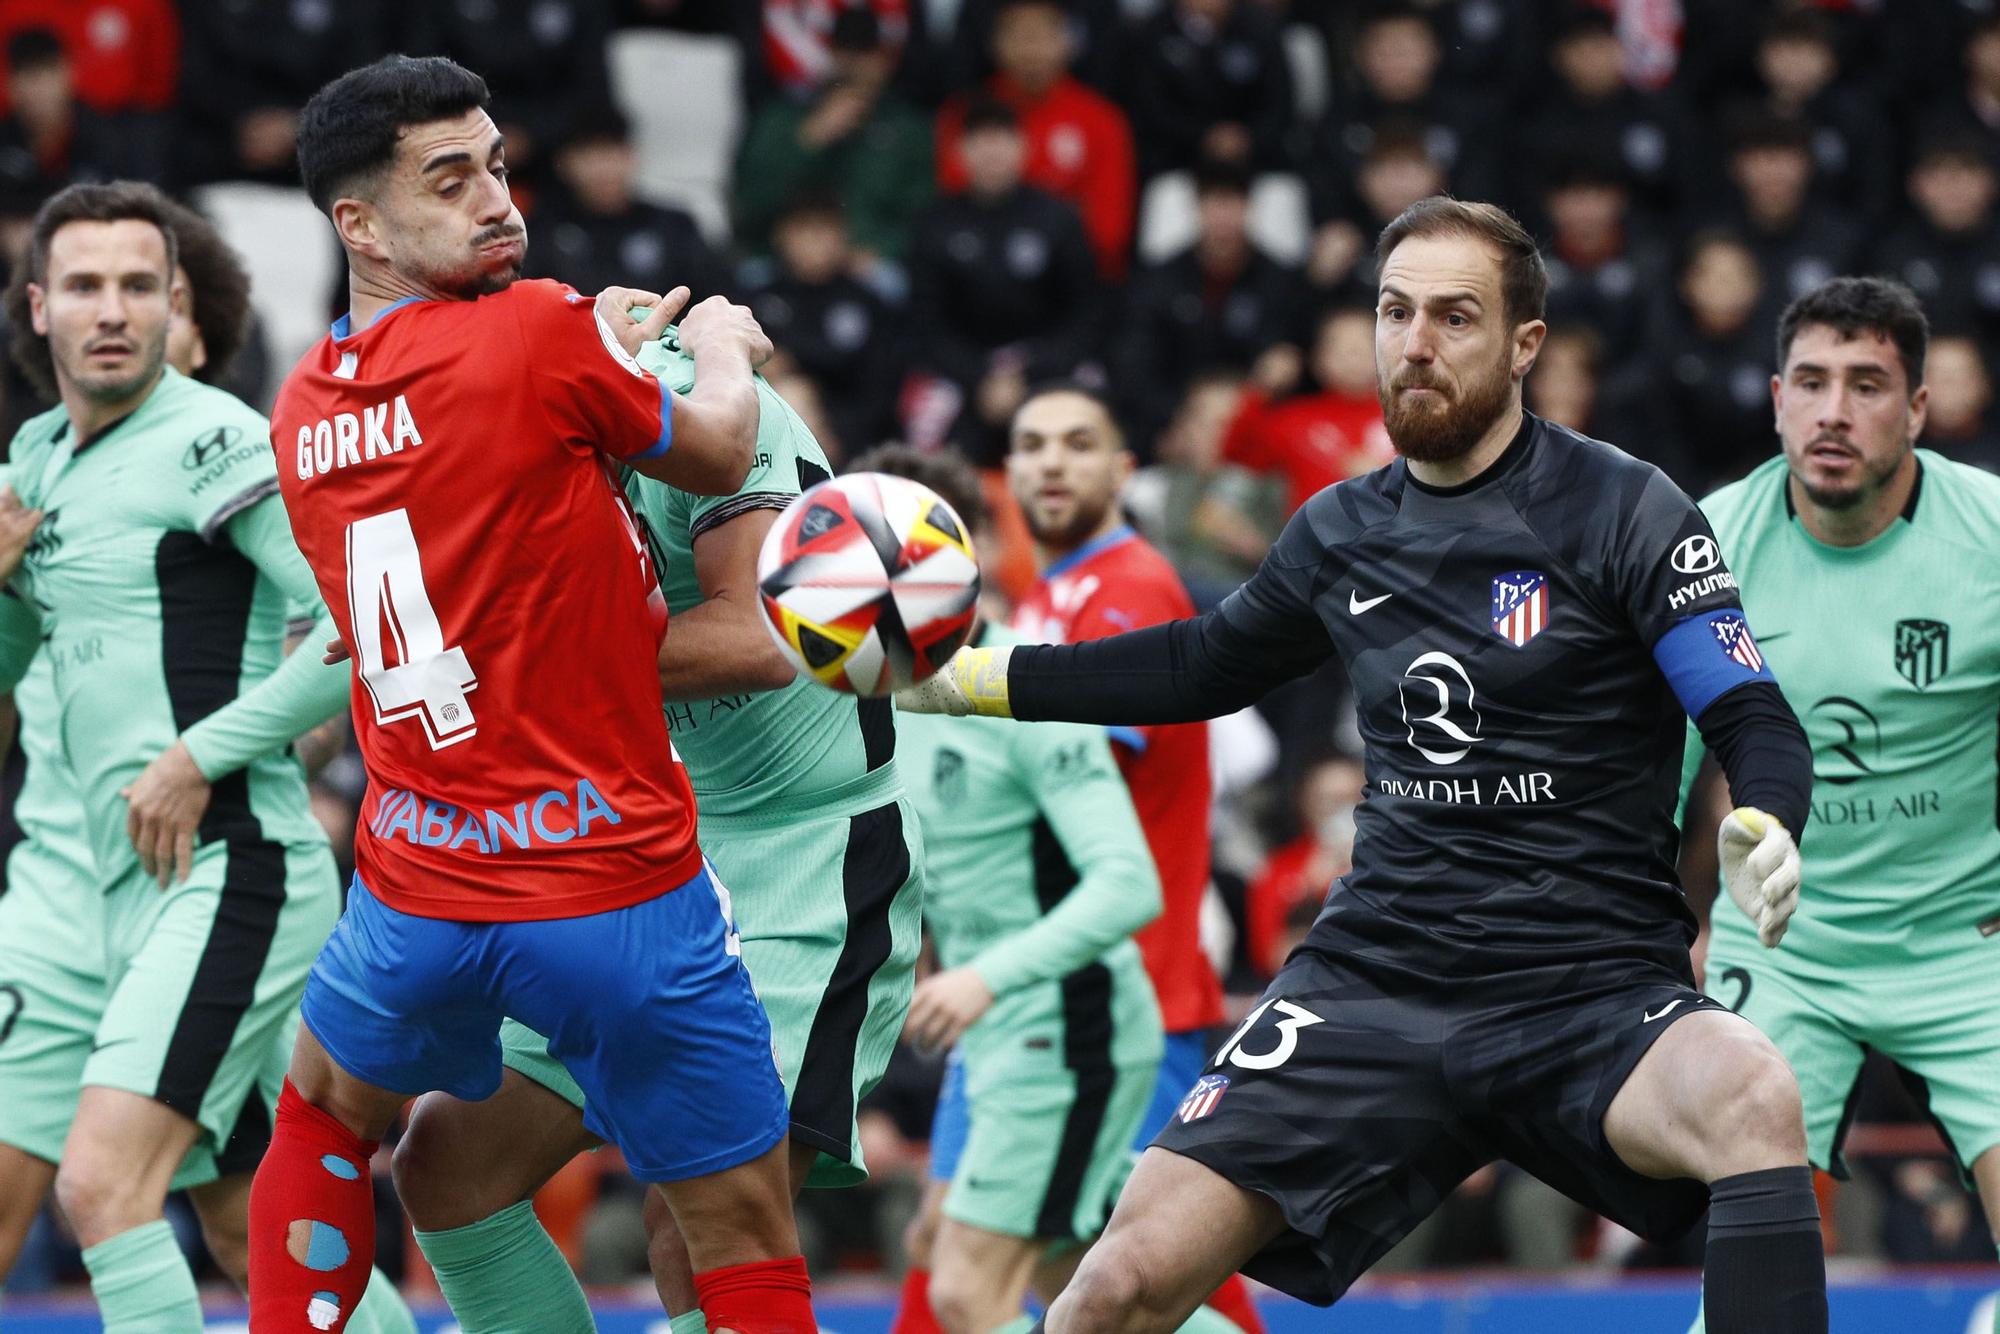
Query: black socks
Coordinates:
[1766,1267]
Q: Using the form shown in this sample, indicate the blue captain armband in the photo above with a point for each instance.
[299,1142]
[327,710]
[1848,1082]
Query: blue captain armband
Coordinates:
[1707,656]
[666,437]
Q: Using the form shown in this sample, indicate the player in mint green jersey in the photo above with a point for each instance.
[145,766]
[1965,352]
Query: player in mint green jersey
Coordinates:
[802,816]
[1871,569]
[1039,874]
[53,987]
[150,565]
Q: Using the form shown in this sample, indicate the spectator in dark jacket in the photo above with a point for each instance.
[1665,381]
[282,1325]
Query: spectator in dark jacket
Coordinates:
[1960,423]
[828,323]
[1395,80]
[1396,172]
[1800,242]
[1079,142]
[246,68]
[1209,79]
[1604,265]
[51,138]
[593,233]
[1592,110]
[1971,105]
[1003,284]
[1799,63]
[1217,305]
[1949,250]
[1714,359]
[539,58]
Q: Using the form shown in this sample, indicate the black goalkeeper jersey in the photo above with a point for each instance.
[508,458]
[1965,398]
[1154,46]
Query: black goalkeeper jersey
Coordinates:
[1524,650]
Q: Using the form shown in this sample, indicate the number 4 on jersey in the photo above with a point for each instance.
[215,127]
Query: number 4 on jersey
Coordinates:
[385,590]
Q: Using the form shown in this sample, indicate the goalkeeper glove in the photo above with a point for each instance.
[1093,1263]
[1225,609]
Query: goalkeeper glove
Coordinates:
[1760,868]
[974,681]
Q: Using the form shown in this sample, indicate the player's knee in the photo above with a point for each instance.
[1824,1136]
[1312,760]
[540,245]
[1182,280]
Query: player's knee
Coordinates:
[434,1196]
[919,1237]
[100,1197]
[1758,1120]
[229,1246]
[1111,1291]
[960,1297]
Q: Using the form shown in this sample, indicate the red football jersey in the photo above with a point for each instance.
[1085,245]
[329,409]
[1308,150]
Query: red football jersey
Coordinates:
[447,478]
[1114,584]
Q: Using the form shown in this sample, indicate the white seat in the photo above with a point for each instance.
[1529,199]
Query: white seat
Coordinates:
[291,254]
[1305,52]
[684,96]
[1280,217]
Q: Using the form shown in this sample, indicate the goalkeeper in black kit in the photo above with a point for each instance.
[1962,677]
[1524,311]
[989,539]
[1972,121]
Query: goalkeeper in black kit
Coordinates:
[1527,615]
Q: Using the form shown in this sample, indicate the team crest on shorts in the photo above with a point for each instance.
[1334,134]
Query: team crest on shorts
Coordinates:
[1203,1097]
[1520,606]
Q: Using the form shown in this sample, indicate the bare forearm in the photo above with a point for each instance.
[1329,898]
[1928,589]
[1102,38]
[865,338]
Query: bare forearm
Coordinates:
[720,647]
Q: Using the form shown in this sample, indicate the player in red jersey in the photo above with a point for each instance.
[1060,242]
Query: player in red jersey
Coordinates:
[527,845]
[1066,465]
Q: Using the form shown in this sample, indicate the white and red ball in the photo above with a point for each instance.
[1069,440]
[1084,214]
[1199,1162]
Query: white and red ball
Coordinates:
[869,582]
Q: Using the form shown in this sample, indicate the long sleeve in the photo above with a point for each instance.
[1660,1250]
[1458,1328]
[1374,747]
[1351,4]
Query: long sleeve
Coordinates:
[1763,752]
[1262,635]
[1117,890]
[304,692]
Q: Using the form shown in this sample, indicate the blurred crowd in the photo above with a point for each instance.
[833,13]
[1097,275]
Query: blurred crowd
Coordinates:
[937,203]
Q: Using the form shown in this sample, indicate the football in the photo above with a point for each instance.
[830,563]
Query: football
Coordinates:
[869,582]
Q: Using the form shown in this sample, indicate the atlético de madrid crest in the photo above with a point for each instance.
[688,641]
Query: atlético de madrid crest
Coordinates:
[1922,651]
[1520,605]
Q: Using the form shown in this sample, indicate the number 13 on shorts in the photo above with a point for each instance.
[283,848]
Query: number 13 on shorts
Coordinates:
[1291,1018]
[385,590]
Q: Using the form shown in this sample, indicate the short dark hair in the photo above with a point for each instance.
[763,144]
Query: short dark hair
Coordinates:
[350,127]
[1956,145]
[1768,131]
[34,48]
[1397,137]
[1221,175]
[986,112]
[1582,21]
[115,201]
[218,285]
[599,121]
[1800,25]
[944,471]
[1851,306]
[1082,389]
[1524,279]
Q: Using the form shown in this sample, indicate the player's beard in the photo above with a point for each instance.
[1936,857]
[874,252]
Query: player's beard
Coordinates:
[1854,494]
[1438,430]
[479,278]
[103,387]
[1070,532]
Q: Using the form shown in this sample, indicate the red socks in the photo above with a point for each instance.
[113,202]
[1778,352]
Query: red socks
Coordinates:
[913,1310]
[764,1297]
[1232,1300]
[312,1222]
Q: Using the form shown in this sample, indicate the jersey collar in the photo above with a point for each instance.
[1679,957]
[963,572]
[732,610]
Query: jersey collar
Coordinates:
[1122,533]
[344,328]
[103,432]
[1517,449]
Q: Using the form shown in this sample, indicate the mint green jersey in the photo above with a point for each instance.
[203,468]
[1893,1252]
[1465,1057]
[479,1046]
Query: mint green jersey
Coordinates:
[51,875]
[774,756]
[153,617]
[1889,653]
[1037,870]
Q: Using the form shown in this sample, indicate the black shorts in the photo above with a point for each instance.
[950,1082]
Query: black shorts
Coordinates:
[1359,1097]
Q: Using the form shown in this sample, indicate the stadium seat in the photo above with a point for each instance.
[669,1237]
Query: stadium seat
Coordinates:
[1305,52]
[1280,218]
[292,257]
[683,93]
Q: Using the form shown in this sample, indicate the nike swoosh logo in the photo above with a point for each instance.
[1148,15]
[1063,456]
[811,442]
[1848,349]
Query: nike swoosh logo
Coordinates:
[1773,637]
[1355,606]
[97,1047]
[1665,1010]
